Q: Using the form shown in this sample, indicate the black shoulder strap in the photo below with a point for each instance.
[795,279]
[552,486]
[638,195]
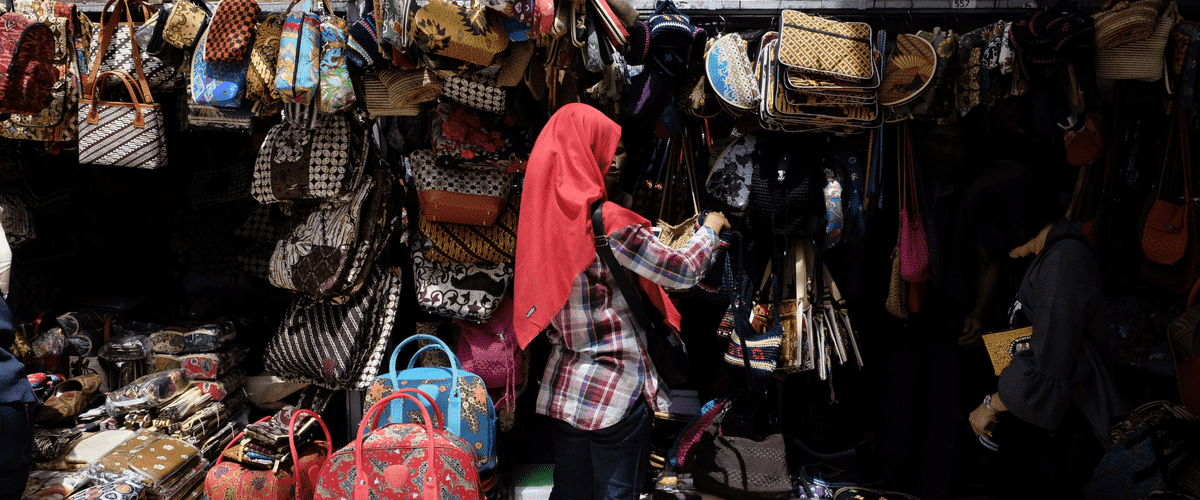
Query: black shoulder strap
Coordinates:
[623,283]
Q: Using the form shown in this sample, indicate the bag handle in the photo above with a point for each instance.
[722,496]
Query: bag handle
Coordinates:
[314,471]
[429,482]
[454,418]
[106,33]
[93,116]
[910,175]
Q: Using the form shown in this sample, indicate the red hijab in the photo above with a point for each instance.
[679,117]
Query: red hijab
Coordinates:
[564,178]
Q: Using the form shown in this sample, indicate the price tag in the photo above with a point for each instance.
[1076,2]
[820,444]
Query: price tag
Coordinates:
[962,4]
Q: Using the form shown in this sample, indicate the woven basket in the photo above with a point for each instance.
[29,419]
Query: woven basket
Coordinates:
[678,235]
[1141,60]
[1125,22]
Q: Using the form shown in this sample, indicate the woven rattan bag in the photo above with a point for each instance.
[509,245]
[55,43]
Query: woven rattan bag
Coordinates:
[1141,60]
[1125,21]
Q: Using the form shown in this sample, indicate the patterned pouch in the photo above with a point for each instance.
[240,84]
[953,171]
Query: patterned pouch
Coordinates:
[217,83]
[219,389]
[468,244]
[186,22]
[120,490]
[209,366]
[162,458]
[296,163]
[263,58]
[459,291]
[231,30]
[337,93]
[476,91]
[297,75]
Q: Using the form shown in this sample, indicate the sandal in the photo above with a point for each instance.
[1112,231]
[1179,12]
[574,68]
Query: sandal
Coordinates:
[70,399]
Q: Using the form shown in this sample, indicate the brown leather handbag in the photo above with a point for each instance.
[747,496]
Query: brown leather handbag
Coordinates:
[1166,234]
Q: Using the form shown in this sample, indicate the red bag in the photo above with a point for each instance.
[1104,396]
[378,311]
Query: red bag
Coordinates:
[27,69]
[398,469]
[490,350]
[914,248]
[234,481]
[1165,237]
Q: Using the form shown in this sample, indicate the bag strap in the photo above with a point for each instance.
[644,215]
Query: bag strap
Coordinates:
[624,285]
[430,487]
[314,471]
[106,33]
[1180,128]
[93,116]
[454,417]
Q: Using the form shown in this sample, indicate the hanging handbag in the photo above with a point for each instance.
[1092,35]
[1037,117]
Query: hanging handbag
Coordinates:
[1123,21]
[663,345]
[463,33]
[1140,60]
[758,349]
[124,134]
[1166,236]
[232,30]
[298,72]
[260,77]
[337,346]
[490,350]
[456,290]
[458,195]
[57,121]
[469,244]
[186,23]
[401,461]
[812,44]
[468,138]
[337,92]
[27,64]
[467,409]
[217,83]
[897,298]
[730,177]
[294,480]
[476,91]
[796,315]
[914,249]
[113,48]
[296,163]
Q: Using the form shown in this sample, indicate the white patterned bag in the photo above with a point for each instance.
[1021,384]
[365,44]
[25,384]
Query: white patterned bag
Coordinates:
[460,291]
[123,134]
[119,50]
[475,91]
[297,163]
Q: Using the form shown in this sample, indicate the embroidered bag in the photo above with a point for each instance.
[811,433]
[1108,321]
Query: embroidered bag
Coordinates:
[1166,234]
[297,75]
[235,481]
[337,345]
[468,411]
[490,350]
[124,134]
[230,35]
[729,178]
[456,290]
[467,34]
[260,78]
[914,250]
[112,48]
[458,195]
[186,23]
[27,64]
[468,138]
[408,461]
[56,122]
[296,163]
[468,244]
[337,93]
[217,83]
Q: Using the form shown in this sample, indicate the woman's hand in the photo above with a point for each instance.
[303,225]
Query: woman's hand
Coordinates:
[983,419]
[716,221]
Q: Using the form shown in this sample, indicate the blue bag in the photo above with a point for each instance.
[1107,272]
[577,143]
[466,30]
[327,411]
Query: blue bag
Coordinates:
[219,84]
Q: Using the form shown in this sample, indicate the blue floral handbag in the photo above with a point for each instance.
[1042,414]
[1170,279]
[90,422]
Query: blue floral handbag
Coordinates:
[298,72]
[337,93]
[466,406]
[219,84]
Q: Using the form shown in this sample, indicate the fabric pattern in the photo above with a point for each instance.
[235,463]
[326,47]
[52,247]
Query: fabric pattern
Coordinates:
[119,56]
[234,481]
[729,179]
[185,24]
[458,195]
[475,91]
[298,72]
[577,386]
[460,291]
[468,244]
[729,71]
[337,346]
[260,78]
[27,63]
[119,490]
[337,92]
[231,31]
[217,83]
[300,164]
[57,120]
[109,133]
[444,29]
[464,137]
[209,366]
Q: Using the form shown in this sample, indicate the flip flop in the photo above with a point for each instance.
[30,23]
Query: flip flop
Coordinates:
[70,399]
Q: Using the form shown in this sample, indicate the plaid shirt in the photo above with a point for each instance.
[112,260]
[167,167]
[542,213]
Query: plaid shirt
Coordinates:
[597,369]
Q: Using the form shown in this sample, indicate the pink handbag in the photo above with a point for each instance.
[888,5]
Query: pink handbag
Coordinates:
[914,249]
[490,350]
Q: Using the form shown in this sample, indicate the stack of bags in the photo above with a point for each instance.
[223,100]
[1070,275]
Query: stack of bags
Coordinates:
[265,444]
[819,75]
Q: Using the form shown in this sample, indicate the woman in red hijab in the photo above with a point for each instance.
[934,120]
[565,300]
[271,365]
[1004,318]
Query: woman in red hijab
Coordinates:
[599,386]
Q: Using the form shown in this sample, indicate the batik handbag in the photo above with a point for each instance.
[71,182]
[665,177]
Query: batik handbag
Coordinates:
[469,244]
[729,179]
[296,163]
[260,78]
[476,91]
[211,365]
[1166,234]
[458,195]
[459,291]
[468,411]
[217,83]
[57,121]
[445,29]
[113,48]
[298,74]
[186,23]
[469,138]
[124,134]
[337,346]
[27,64]
[337,93]
[232,30]
[411,461]
[295,480]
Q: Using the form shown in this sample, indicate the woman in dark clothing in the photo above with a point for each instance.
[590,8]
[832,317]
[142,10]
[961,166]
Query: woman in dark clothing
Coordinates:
[1062,384]
[16,422]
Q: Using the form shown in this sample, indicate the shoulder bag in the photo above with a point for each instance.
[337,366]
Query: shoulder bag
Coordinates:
[113,48]
[490,350]
[458,195]
[217,83]
[1166,235]
[186,23]
[914,249]
[467,34]
[56,121]
[457,290]
[296,163]
[468,244]
[401,461]
[468,411]
[124,134]
[27,64]
[663,345]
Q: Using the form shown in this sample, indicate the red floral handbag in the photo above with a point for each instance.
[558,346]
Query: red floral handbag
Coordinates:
[1165,237]
[234,481]
[406,460]
[26,63]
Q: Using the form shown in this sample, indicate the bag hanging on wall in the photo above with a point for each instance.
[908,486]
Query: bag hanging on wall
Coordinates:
[124,134]
[458,195]
[1185,350]
[112,48]
[27,64]
[297,76]
[490,350]
[475,91]
[463,33]
[1167,234]
[296,163]
[785,189]
[231,32]
[897,298]
[467,138]
[758,349]
[337,346]
[57,121]
[457,290]
[260,77]
[468,409]
[914,249]
[186,23]
[399,461]
[217,83]
[469,244]
[1123,21]
[336,92]
[1140,60]
[295,480]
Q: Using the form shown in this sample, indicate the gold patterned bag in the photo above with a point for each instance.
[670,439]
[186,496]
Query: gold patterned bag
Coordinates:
[470,244]
[1002,345]
[466,34]
[841,50]
[185,23]
[260,79]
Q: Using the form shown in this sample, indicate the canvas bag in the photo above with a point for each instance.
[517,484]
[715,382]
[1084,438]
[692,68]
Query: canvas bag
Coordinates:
[112,48]
[468,409]
[296,163]
[217,83]
[122,134]
[27,64]
[297,76]
[405,461]
[72,32]
[233,481]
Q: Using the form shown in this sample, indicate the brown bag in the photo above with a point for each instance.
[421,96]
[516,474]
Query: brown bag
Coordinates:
[1166,235]
[466,34]
[1123,21]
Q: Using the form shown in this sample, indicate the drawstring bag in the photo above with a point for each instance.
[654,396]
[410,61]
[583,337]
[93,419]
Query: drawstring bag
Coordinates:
[914,248]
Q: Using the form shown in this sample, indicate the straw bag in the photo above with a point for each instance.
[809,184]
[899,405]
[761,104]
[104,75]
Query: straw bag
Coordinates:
[1124,21]
[897,298]
[1165,237]
[1141,60]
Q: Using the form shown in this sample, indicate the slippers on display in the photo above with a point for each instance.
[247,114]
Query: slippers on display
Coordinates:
[69,399]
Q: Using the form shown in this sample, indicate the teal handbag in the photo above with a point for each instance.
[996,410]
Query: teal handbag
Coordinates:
[337,93]
[298,74]
[218,84]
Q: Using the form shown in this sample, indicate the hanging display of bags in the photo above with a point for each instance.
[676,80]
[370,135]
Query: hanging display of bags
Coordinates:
[112,48]
[123,134]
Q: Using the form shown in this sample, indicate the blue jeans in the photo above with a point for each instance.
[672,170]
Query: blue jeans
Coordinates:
[604,464]
[16,448]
